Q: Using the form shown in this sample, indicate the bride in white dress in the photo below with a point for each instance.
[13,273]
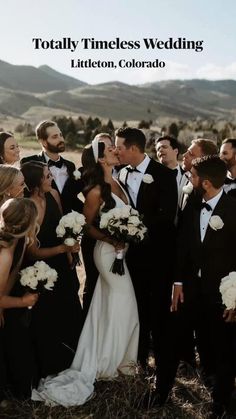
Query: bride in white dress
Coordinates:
[109,340]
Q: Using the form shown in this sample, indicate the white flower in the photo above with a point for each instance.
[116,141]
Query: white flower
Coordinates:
[77,174]
[187,189]
[147,178]
[70,241]
[228,290]
[104,220]
[126,210]
[134,211]
[74,220]
[40,271]
[229,298]
[132,230]
[49,285]
[133,219]
[215,222]
[60,230]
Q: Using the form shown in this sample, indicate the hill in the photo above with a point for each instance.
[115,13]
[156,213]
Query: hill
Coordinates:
[25,88]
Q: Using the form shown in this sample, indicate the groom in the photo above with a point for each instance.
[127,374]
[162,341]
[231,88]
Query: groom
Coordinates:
[153,192]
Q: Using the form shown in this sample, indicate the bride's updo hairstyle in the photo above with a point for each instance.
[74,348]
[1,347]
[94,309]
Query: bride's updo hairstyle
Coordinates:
[18,218]
[33,172]
[93,174]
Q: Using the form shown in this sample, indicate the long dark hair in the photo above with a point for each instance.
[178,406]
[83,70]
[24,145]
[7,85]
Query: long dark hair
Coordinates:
[3,137]
[93,175]
[33,172]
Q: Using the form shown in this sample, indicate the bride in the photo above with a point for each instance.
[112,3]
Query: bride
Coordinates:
[109,340]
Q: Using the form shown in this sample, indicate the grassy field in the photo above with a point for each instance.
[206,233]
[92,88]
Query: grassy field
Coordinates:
[121,398]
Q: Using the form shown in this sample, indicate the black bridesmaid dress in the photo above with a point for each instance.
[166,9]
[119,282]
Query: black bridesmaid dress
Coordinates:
[15,344]
[57,318]
[42,341]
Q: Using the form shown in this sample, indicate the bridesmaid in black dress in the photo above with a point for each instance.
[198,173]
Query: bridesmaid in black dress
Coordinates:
[57,319]
[17,222]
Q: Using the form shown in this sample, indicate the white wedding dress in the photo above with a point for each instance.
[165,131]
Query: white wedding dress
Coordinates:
[109,339]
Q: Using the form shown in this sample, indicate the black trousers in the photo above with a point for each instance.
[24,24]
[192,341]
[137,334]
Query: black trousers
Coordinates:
[215,337]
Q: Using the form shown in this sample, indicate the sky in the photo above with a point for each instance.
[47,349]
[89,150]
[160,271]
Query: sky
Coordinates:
[210,21]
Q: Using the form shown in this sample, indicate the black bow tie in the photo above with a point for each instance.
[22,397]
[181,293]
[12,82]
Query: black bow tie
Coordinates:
[175,172]
[59,163]
[132,169]
[229,180]
[205,205]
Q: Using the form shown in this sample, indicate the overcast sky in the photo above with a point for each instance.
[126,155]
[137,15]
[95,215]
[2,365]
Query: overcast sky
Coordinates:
[212,21]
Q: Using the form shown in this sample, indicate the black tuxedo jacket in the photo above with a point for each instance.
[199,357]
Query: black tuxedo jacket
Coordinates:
[215,256]
[71,188]
[157,203]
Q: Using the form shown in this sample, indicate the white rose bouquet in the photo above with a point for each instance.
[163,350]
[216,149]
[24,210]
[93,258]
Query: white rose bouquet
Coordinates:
[124,225]
[38,277]
[228,290]
[70,229]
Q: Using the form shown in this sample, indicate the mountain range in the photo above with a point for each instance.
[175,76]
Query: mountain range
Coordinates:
[25,89]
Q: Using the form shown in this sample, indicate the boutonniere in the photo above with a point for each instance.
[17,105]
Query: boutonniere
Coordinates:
[147,178]
[216,223]
[77,174]
[187,189]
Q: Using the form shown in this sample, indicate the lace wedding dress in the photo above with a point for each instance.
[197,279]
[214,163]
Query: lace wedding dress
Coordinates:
[109,339]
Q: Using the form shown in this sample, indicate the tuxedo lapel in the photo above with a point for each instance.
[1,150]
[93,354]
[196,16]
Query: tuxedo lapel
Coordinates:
[143,187]
[196,221]
[182,197]
[122,178]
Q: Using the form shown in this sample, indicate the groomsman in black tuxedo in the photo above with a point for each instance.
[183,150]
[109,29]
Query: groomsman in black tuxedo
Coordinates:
[52,142]
[207,254]
[228,154]
[198,148]
[153,192]
[167,149]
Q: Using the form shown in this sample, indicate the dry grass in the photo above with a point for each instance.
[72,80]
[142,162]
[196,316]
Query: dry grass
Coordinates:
[121,398]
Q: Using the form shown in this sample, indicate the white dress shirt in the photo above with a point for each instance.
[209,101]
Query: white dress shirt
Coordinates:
[60,176]
[134,179]
[206,215]
[183,197]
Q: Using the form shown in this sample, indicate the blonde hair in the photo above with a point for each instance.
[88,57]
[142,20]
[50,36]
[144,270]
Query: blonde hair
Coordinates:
[8,175]
[18,218]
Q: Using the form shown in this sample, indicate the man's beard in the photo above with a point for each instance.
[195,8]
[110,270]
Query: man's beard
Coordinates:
[199,190]
[59,148]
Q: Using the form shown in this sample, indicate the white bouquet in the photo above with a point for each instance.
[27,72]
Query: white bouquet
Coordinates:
[70,228]
[38,277]
[228,290]
[124,225]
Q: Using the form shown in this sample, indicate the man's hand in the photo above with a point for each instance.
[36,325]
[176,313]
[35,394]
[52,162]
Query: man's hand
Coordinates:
[177,296]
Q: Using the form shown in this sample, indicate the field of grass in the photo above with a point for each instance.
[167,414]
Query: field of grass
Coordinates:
[121,398]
